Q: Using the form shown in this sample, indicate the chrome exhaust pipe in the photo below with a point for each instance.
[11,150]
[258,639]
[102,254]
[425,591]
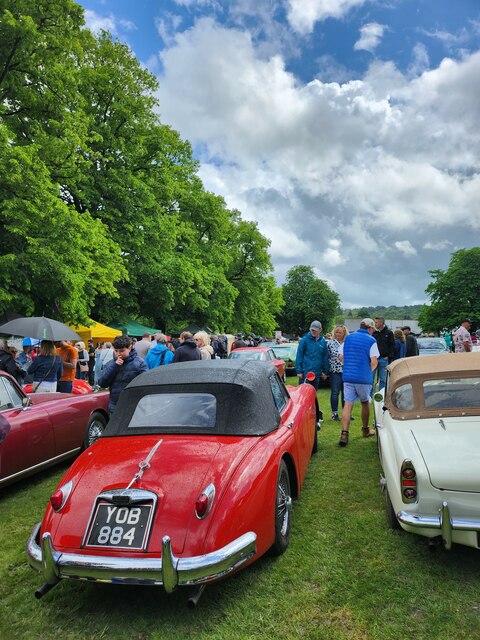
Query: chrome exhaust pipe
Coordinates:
[195,596]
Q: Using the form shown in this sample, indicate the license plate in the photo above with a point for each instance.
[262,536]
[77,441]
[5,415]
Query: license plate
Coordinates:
[120,527]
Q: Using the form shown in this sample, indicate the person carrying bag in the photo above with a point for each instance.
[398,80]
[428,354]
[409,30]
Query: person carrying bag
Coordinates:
[47,369]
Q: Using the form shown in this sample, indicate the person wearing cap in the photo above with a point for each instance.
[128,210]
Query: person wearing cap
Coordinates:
[359,353]
[411,341]
[312,355]
[462,338]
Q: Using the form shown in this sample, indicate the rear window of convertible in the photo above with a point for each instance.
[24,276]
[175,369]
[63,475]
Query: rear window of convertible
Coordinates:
[173,410]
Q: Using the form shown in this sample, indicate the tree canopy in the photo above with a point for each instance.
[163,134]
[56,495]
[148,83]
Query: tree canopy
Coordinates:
[306,298]
[454,293]
[102,211]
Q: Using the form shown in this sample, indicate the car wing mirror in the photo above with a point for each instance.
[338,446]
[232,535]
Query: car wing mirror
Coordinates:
[26,402]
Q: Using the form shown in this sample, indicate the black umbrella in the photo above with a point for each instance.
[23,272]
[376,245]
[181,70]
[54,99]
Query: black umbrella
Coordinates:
[41,328]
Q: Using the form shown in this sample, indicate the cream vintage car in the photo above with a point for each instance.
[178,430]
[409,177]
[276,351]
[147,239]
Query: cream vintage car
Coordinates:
[428,429]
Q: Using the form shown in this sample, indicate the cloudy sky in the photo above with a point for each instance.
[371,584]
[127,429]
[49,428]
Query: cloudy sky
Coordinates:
[348,129]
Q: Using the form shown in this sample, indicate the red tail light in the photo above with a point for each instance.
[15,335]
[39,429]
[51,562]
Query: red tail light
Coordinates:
[60,497]
[204,502]
[408,480]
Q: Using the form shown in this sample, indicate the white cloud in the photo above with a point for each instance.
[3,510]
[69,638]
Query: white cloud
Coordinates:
[441,245]
[370,36]
[109,23]
[379,164]
[406,247]
[420,61]
[303,14]
[96,23]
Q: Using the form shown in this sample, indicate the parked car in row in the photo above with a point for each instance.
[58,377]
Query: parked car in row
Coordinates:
[288,353]
[192,479]
[428,427]
[263,354]
[432,346]
[38,430]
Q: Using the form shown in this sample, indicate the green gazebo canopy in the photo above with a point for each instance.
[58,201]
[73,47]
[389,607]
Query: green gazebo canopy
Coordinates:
[133,328]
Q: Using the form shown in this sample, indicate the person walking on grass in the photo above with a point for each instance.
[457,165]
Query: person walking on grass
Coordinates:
[312,355]
[359,354]
[340,332]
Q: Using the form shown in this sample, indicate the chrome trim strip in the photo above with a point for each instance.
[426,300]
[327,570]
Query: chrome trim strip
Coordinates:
[47,463]
[168,570]
[443,521]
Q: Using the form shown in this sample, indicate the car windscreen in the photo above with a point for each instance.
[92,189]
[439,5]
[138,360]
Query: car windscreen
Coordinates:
[432,344]
[282,351]
[174,410]
[246,355]
[452,393]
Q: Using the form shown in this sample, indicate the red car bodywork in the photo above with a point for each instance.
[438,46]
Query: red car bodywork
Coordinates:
[267,355]
[80,388]
[41,429]
[244,471]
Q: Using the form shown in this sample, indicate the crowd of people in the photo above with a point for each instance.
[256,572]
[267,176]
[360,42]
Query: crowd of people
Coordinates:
[354,363]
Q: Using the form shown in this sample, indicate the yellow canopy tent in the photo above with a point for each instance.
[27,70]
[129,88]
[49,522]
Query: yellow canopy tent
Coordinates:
[97,331]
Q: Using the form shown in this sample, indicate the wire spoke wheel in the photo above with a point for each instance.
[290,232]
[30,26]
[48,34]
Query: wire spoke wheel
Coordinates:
[283,509]
[96,425]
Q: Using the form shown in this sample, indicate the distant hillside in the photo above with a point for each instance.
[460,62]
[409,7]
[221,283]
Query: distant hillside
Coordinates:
[410,312]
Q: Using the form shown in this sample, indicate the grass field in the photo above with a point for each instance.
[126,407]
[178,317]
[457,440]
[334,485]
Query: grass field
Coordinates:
[345,574]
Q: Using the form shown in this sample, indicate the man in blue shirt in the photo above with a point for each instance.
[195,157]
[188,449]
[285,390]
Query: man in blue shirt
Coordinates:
[312,355]
[359,353]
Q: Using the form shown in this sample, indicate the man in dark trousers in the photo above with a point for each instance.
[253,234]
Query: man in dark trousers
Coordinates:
[187,349]
[412,344]
[386,346]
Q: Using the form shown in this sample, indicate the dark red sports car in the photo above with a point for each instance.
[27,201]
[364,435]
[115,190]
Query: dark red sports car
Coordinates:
[38,430]
[192,479]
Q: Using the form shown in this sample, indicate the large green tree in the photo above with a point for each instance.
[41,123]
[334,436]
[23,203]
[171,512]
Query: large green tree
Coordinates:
[454,293]
[307,298]
[101,204]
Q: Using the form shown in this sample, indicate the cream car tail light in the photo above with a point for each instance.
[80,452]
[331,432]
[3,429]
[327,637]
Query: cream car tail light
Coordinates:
[408,481]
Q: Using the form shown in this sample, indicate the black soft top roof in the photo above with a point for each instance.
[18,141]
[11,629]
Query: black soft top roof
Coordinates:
[245,403]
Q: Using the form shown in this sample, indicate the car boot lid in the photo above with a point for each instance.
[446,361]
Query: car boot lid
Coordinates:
[450,448]
[176,469]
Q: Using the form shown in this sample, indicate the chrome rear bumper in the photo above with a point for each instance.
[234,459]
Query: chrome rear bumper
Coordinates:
[167,570]
[443,521]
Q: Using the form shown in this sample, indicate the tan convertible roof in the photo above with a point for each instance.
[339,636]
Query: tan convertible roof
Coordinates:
[414,371]
[445,363]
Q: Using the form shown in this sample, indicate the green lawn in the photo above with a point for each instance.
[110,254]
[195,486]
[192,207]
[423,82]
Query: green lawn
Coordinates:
[345,574]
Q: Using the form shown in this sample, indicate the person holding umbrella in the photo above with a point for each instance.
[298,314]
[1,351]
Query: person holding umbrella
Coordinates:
[69,356]
[46,369]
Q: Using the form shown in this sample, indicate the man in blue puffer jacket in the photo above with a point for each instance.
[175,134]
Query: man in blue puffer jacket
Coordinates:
[312,355]
[125,366]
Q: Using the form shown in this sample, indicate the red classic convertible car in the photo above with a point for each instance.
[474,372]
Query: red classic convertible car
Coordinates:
[264,354]
[38,430]
[192,479]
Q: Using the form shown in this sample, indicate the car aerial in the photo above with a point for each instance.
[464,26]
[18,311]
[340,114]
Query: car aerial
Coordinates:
[264,354]
[288,353]
[428,419]
[192,479]
[38,430]
[432,346]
